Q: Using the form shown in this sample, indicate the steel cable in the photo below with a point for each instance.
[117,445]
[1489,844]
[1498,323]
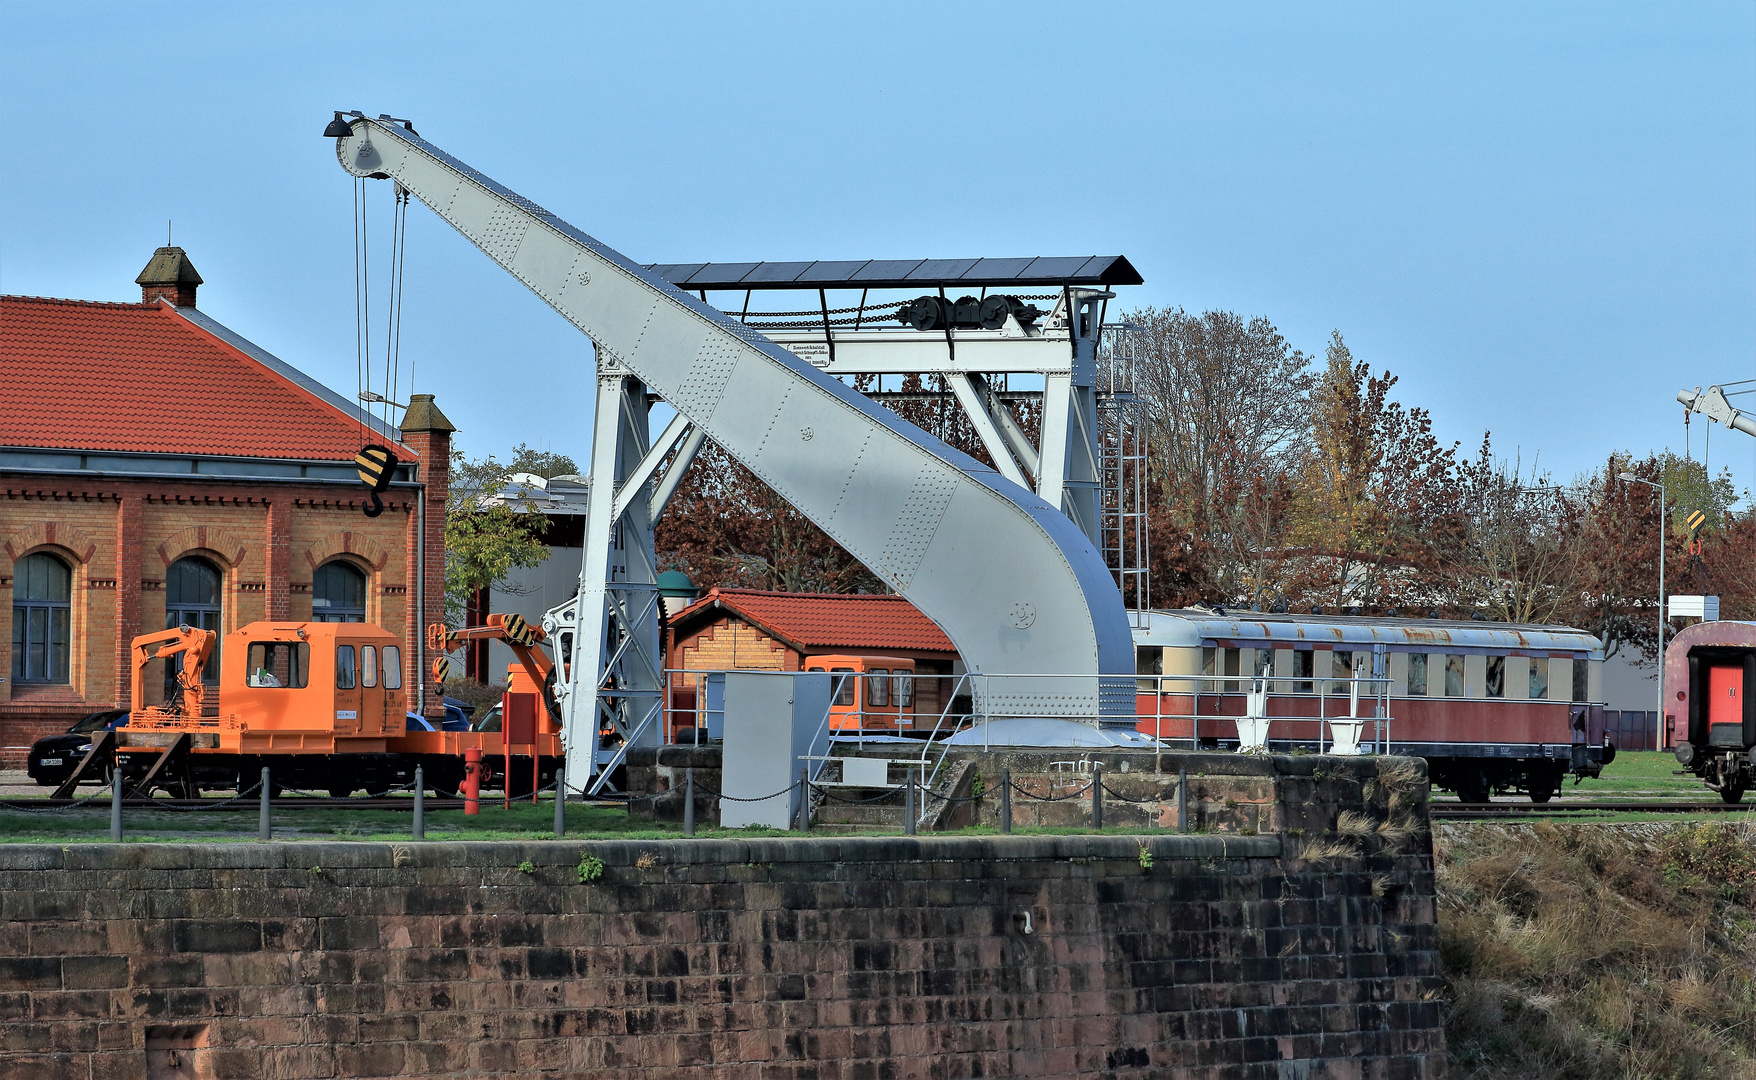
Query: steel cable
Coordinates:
[57,809]
[1051,798]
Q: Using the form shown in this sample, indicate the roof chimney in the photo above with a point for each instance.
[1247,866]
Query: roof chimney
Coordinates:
[171,275]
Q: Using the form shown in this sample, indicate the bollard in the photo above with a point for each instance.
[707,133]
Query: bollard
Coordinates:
[908,805]
[689,802]
[560,801]
[116,803]
[805,799]
[264,825]
[1097,794]
[472,780]
[420,829]
[1005,800]
[1183,798]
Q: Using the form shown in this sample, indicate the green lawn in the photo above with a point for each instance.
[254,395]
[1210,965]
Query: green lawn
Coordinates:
[522,822]
[1641,774]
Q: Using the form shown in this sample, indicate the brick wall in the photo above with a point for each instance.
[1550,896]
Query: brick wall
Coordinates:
[120,536]
[844,957]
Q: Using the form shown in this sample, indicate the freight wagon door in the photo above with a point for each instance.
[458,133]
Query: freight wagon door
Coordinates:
[347,691]
[1725,705]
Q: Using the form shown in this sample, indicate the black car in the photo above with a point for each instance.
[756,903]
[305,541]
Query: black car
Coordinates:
[54,757]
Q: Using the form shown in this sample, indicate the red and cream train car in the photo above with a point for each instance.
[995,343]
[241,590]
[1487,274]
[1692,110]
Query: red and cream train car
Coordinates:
[1491,706]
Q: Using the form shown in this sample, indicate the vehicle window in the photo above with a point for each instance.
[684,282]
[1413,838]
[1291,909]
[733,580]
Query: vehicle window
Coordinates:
[1417,674]
[393,667]
[278,664]
[845,695]
[1453,675]
[1208,653]
[905,690]
[1496,676]
[1539,678]
[94,722]
[368,665]
[878,688]
[1581,679]
[1304,666]
[1341,666]
[344,667]
[1232,665]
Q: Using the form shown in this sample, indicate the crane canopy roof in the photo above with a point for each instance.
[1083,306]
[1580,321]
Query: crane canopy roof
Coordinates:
[1088,270]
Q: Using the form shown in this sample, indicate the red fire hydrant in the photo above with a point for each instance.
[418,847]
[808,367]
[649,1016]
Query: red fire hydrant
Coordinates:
[472,780]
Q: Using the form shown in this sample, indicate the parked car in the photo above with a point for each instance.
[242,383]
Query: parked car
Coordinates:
[54,757]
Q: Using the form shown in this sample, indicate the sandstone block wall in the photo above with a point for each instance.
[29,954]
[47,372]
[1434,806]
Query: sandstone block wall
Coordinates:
[1187,956]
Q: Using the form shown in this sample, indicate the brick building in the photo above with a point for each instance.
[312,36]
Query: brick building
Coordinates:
[156,468]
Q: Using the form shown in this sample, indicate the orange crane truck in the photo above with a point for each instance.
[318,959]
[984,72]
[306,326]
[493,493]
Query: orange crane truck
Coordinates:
[322,706]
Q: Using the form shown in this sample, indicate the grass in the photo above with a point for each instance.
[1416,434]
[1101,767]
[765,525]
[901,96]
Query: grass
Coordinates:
[522,822]
[1603,953]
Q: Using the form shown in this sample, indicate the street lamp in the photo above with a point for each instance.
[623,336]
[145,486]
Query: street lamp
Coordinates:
[1658,736]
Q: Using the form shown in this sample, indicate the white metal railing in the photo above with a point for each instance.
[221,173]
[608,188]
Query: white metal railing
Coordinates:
[1210,712]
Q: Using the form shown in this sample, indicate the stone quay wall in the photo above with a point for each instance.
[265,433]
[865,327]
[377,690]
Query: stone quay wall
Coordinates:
[1211,956]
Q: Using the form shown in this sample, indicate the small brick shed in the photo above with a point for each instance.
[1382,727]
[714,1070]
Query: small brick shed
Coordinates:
[755,629]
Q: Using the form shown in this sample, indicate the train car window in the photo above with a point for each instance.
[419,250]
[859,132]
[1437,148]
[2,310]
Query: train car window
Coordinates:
[1453,675]
[1341,667]
[344,667]
[1232,669]
[392,667]
[1209,656]
[1581,680]
[878,688]
[845,694]
[1304,666]
[1417,674]
[281,664]
[1496,676]
[904,688]
[1539,678]
[368,665]
[1148,660]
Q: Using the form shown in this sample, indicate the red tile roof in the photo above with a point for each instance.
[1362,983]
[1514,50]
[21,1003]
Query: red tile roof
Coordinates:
[83,375]
[818,621]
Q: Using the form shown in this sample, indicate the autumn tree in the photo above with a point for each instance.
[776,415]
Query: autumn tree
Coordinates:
[1378,501]
[1515,562]
[488,535]
[1227,407]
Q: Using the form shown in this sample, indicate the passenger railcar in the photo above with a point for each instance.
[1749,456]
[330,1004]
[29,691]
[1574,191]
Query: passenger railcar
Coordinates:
[1491,706]
[1710,670]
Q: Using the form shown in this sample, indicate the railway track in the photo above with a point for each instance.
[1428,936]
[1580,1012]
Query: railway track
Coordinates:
[1450,811]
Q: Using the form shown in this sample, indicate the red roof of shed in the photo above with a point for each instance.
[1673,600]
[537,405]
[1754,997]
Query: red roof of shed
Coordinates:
[828,620]
[85,375]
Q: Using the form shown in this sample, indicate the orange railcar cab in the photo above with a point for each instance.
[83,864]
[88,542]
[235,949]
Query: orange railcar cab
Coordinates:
[873,693]
[323,705]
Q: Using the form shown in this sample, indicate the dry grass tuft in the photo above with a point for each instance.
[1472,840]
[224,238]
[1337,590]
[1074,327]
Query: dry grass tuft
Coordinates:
[1597,951]
[1324,849]
[1400,774]
[1354,823]
[647,860]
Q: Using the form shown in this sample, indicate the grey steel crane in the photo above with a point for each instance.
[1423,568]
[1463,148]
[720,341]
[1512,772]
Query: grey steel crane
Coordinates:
[1021,591]
[1714,404]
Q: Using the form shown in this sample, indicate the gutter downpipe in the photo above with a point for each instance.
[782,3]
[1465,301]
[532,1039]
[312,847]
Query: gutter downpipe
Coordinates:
[421,599]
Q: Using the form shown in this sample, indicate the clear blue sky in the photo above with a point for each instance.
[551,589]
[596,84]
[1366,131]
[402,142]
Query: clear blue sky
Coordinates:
[1542,217]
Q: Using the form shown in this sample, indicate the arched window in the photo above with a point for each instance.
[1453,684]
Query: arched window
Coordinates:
[192,598]
[42,608]
[338,593]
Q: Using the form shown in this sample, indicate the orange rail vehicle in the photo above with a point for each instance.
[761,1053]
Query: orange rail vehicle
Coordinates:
[322,706]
